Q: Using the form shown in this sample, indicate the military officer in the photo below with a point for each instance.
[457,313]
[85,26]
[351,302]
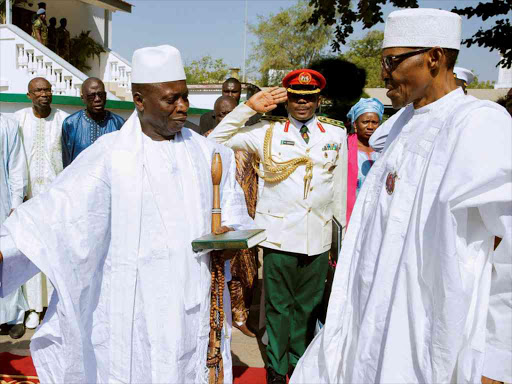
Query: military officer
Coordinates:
[300,157]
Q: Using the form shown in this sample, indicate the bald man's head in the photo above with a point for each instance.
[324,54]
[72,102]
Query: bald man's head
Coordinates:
[94,97]
[232,87]
[40,92]
[223,106]
[91,81]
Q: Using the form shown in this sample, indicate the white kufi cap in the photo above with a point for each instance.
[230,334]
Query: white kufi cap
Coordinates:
[157,65]
[423,27]
[464,74]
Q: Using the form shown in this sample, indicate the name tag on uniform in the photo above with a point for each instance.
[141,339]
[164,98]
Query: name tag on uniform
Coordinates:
[287,142]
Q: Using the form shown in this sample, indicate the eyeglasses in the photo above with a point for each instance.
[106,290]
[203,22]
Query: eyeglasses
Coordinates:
[389,63]
[40,91]
[92,96]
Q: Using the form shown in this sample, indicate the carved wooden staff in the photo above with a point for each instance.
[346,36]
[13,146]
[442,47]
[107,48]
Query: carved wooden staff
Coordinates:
[214,357]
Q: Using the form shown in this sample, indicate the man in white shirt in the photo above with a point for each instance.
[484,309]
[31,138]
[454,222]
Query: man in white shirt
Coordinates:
[410,297]
[41,131]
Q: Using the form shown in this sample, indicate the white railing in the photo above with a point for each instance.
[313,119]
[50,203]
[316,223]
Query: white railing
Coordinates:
[117,70]
[35,64]
[31,59]
[24,58]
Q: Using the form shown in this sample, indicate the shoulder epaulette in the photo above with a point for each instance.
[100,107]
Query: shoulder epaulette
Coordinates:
[336,123]
[274,118]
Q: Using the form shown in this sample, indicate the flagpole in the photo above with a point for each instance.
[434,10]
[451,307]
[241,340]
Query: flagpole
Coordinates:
[244,74]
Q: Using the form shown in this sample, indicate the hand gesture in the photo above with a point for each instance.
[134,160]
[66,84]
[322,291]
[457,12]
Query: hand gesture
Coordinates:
[265,101]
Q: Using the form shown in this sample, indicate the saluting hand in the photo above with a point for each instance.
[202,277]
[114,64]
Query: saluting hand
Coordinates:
[265,101]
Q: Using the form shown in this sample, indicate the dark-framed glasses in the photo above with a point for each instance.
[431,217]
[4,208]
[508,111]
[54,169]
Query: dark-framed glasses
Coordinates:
[390,62]
[92,96]
[41,91]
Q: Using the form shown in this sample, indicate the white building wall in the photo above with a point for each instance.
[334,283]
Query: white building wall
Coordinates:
[504,79]
[203,100]
[80,16]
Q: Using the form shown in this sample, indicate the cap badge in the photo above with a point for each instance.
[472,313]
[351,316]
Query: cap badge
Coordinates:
[305,78]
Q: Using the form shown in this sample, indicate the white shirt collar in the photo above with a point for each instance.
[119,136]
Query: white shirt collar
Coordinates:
[311,123]
[448,98]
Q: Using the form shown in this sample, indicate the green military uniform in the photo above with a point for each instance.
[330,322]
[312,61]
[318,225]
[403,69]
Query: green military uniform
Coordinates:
[52,38]
[63,43]
[40,25]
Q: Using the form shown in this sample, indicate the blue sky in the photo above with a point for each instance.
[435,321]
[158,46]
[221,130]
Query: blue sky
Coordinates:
[211,27]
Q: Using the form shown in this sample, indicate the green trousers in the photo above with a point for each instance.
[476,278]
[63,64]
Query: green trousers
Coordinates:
[294,286]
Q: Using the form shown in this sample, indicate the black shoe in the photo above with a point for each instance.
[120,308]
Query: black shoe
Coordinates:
[17,331]
[275,378]
[4,329]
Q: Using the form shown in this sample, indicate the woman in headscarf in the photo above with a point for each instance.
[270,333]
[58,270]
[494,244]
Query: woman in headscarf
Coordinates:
[365,117]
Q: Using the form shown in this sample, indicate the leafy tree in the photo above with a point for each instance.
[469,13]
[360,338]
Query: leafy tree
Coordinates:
[342,15]
[84,47]
[206,71]
[365,53]
[477,84]
[286,41]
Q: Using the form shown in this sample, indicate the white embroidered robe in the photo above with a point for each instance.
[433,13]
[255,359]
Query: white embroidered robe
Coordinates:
[132,302]
[411,291]
[43,147]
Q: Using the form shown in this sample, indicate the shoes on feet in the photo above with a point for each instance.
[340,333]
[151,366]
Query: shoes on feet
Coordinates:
[4,329]
[32,320]
[244,329]
[17,331]
[275,378]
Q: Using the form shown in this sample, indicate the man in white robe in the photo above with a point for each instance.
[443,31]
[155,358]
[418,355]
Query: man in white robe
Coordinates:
[411,292]
[114,233]
[13,187]
[41,131]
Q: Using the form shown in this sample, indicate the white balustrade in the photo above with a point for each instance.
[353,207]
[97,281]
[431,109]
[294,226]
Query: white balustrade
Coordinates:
[22,59]
[122,76]
[52,78]
[40,66]
[59,84]
[31,65]
[69,86]
[115,72]
[38,63]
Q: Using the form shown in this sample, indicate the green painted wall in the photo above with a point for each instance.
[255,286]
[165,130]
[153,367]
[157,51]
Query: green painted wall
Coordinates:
[72,100]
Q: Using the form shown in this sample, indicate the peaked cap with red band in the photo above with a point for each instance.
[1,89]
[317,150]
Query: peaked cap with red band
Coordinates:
[314,81]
